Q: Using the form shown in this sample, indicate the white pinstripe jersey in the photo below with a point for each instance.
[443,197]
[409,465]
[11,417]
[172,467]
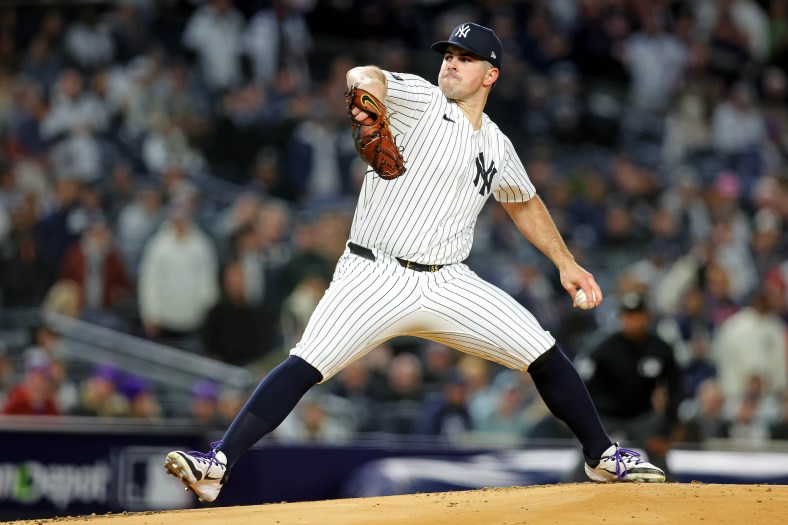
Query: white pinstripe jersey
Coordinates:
[428,214]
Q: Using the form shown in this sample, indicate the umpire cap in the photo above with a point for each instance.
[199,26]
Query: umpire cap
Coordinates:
[477,39]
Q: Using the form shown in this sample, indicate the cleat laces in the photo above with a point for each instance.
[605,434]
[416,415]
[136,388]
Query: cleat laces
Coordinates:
[209,457]
[622,456]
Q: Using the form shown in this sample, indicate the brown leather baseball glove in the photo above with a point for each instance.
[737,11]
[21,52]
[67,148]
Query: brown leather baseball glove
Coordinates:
[373,138]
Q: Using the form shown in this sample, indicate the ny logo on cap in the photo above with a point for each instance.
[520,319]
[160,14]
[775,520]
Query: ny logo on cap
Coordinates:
[462,31]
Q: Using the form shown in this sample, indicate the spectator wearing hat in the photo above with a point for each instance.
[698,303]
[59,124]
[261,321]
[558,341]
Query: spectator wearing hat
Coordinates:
[143,402]
[100,395]
[204,407]
[634,380]
[34,395]
[45,340]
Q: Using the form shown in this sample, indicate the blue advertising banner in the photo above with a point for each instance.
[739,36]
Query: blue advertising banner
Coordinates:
[58,468]
[270,472]
[67,470]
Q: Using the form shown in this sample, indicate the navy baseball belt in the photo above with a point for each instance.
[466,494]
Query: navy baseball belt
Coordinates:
[366,253]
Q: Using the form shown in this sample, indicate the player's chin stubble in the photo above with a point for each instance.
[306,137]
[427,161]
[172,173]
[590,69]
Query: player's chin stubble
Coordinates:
[450,86]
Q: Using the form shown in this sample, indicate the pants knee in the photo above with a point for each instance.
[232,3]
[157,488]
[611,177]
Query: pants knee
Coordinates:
[541,361]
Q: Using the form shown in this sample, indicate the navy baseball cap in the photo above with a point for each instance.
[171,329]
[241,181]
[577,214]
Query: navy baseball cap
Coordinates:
[477,39]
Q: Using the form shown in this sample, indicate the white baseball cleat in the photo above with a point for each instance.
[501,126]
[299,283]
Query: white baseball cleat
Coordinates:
[204,474]
[622,464]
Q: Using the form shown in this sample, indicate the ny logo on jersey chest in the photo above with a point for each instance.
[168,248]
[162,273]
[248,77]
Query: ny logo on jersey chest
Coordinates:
[485,175]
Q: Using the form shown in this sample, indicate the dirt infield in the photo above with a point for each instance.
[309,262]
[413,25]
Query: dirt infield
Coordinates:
[694,503]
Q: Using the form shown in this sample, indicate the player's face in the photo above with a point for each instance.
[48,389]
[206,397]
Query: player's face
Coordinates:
[462,73]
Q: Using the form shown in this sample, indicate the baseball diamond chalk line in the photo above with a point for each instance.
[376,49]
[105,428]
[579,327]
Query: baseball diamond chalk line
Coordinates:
[686,503]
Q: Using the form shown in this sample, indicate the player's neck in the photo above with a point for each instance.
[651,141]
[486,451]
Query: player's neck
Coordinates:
[473,108]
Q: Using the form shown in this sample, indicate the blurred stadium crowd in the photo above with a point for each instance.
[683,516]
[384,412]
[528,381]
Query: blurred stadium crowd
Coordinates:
[183,171]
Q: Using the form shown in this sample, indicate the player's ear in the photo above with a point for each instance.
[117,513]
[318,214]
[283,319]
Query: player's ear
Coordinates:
[491,77]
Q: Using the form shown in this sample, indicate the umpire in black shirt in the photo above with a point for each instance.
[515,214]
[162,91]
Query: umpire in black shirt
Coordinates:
[635,382]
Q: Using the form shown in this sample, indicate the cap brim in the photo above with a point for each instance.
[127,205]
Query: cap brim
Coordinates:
[441,47]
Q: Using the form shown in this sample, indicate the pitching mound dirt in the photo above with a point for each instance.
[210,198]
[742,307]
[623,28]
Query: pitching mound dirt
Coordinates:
[694,503]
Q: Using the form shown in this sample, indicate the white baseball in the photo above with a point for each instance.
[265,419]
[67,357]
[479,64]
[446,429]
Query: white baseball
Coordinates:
[581,301]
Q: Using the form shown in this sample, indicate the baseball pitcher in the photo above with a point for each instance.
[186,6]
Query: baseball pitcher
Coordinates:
[435,158]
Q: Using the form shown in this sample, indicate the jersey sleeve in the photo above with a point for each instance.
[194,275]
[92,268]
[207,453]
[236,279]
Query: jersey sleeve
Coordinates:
[514,184]
[407,97]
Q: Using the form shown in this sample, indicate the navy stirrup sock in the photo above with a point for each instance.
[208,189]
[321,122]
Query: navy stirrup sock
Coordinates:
[567,397]
[273,399]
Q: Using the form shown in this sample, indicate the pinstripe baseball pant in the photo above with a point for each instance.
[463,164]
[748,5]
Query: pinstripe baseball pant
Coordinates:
[369,302]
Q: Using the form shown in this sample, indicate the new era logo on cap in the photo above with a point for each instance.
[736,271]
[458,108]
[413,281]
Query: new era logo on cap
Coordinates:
[477,39]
